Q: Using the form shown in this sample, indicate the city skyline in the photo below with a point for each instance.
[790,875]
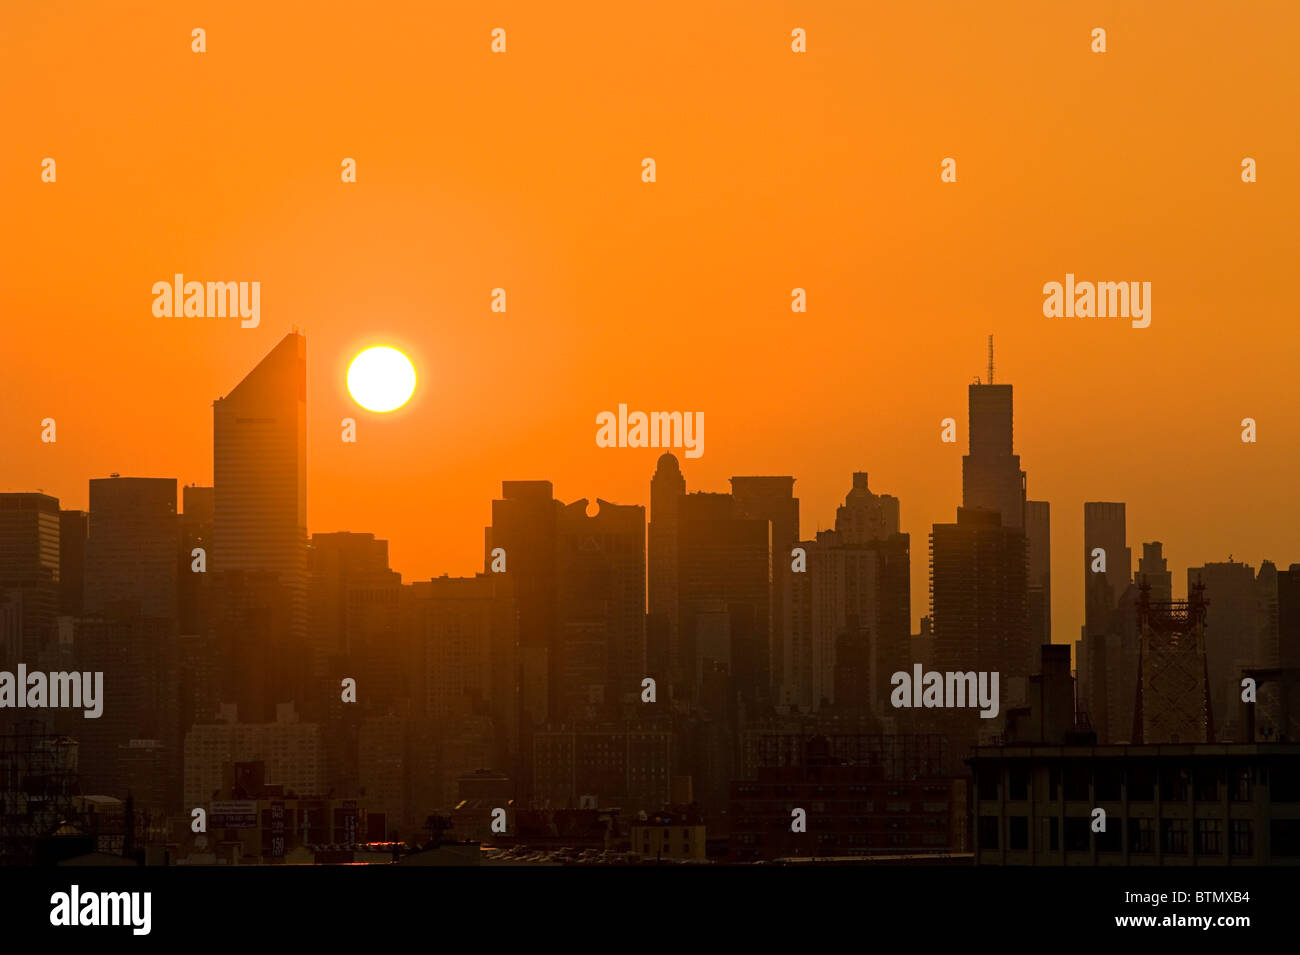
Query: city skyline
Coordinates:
[776,170]
[1064,531]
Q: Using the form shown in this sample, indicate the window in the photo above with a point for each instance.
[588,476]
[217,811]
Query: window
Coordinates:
[1108,781]
[1208,783]
[1242,835]
[1053,833]
[1209,837]
[1141,835]
[988,782]
[1076,834]
[988,832]
[1076,783]
[1173,836]
[1018,782]
[1018,833]
[1141,784]
[1239,785]
[1112,840]
[1173,784]
[1053,783]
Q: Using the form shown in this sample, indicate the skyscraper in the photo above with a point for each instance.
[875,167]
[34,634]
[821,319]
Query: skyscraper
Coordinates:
[29,572]
[666,489]
[355,618]
[859,603]
[1153,570]
[131,548]
[979,601]
[724,561]
[772,499]
[1231,635]
[73,528]
[601,572]
[1107,572]
[1038,528]
[990,474]
[260,477]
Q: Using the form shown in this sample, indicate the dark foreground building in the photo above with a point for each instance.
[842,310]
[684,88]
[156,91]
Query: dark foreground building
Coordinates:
[1171,804]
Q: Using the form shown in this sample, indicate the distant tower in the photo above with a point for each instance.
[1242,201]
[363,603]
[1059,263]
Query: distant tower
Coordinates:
[663,649]
[259,464]
[990,474]
[1173,691]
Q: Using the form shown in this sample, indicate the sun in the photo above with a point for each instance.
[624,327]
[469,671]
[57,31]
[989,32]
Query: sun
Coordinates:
[381,378]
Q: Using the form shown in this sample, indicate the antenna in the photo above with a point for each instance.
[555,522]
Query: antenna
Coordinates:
[990,359]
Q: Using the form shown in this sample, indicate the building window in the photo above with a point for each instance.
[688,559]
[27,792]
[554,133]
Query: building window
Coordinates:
[1141,833]
[1208,782]
[1173,785]
[988,782]
[1018,833]
[1242,834]
[1053,833]
[1018,781]
[988,832]
[1209,837]
[1112,840]
[1107,782]
[1076,834]
[1141,784]
[1173,836]
[1076,783]
[1239,788]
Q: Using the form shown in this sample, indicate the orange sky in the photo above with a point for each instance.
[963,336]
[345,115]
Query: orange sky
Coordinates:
[775,170]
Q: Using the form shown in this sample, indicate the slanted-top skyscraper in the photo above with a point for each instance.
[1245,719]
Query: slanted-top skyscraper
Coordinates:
[259,465]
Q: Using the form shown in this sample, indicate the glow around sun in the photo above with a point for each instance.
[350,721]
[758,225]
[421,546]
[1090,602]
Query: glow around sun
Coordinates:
[381,379]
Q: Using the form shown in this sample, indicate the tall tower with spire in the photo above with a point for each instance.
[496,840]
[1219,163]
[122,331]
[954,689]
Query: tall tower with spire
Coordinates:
[990,474]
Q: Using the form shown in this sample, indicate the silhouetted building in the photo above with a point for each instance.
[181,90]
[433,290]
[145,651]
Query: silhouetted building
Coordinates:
[628,765]
[991,478]
[860,570]
[355,619]
[1180,805]
[29,573]
[772,499]
[1038,530]
[131,548]
[1153,570]
[524,530]
[259,463]
[667,487]
[1107,569]
[601,572]
[74,527]
[291,751]
[193,592]
[847,810]
[978,596]
[129,632]
[725,560]
[1231,635]
[1104,530]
